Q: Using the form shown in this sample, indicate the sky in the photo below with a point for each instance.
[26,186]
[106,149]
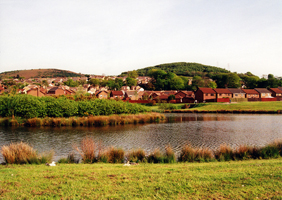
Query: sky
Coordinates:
[113,36]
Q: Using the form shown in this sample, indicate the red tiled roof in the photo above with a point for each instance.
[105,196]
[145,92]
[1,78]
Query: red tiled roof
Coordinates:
[207,90]
[236,90]
[250,91]
[119,93]
[222,91]
[276,90]
[262,90]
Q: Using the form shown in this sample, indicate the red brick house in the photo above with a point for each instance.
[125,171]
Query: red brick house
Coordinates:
[223,93]
[117,94]
[102,94]
[205,94]
[263,92]
[56,91]
[133,95]
[185,94]
[251,93]
[237,93]
[275,92]
[36,91]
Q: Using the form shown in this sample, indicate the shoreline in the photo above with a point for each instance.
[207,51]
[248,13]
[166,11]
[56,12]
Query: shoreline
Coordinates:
[226,111]
[90,121]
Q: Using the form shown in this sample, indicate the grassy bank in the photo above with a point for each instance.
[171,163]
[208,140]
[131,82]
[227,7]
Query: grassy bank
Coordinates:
[252,179]
[84,121]
[240,107]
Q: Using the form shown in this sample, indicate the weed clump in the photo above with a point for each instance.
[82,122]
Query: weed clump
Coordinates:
[22,153]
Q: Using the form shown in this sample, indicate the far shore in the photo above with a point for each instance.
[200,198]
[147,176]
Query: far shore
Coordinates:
[90,121]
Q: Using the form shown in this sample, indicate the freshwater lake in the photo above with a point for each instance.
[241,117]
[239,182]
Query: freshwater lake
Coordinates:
[196,129]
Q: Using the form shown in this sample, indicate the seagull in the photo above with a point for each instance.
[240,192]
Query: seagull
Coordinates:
[52,164]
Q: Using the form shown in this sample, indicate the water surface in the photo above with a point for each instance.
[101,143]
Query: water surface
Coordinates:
[197,129]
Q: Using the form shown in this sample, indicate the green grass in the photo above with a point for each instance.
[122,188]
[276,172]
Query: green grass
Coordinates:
[240,106]
[252,179]
[268,106]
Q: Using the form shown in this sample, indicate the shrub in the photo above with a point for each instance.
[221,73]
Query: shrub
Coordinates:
[70,159]
[187,154]
[87,150]
[115,155]
[242,153]
[156,157]
[169,156]
[204,155]
[22,153]
[224,153]
[136,156]
[269,151]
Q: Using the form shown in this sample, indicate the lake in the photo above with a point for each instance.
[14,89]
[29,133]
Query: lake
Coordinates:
[197,129]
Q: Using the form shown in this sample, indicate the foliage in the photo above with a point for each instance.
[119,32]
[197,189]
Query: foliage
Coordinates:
[182,69]
[22,153]
[28,106]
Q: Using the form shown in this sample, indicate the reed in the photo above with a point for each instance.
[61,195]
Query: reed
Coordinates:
[204,155]
[269,151]
[187,154]
[115,155]
[136,156]
[224,153]
[22,153]
[169,156]
[155,157]
[243,152]
[69,159]
[278,145]
[87,150]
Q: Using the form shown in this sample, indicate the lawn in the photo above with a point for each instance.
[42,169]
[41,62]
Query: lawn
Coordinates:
[251,179]
[268,106]
[243,106]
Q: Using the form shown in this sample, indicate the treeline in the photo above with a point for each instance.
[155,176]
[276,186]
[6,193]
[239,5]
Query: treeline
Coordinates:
[162,80]
[27,106]
[182,69]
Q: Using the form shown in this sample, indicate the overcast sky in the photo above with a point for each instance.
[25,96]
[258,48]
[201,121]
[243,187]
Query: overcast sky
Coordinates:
[113,36]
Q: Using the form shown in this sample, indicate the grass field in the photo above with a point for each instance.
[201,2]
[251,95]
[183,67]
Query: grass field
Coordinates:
[242,106]
[252,179]
[268,106]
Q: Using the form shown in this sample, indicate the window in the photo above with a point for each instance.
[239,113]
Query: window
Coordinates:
[212,95]
[236,95]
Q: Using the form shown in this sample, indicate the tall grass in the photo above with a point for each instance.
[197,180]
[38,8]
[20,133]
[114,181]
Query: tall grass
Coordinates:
[190,154]
[136,156]
[91,152]
[22,153]
[88,150]
[96,121]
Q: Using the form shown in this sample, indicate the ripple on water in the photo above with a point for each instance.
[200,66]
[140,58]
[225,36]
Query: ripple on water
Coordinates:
[198,130]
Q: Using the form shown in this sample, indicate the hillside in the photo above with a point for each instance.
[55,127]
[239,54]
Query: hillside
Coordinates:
[39,73]
[182,68]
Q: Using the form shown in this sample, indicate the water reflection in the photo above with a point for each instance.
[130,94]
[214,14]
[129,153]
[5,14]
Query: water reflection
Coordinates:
[199,130]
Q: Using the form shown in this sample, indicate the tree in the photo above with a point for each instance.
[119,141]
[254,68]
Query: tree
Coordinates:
[133,74]
[94,81]
[131,82]
[119,83]
[177,83]
[44,83]
[212,84]
[233,80]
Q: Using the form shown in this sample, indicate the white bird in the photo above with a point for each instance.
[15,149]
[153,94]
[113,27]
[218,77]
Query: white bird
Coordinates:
[52,164]
[127,164]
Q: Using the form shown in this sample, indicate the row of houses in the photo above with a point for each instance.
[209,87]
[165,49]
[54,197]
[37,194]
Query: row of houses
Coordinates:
[138,93]
[211,95]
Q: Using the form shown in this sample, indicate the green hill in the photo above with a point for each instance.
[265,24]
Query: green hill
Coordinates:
[182,69]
